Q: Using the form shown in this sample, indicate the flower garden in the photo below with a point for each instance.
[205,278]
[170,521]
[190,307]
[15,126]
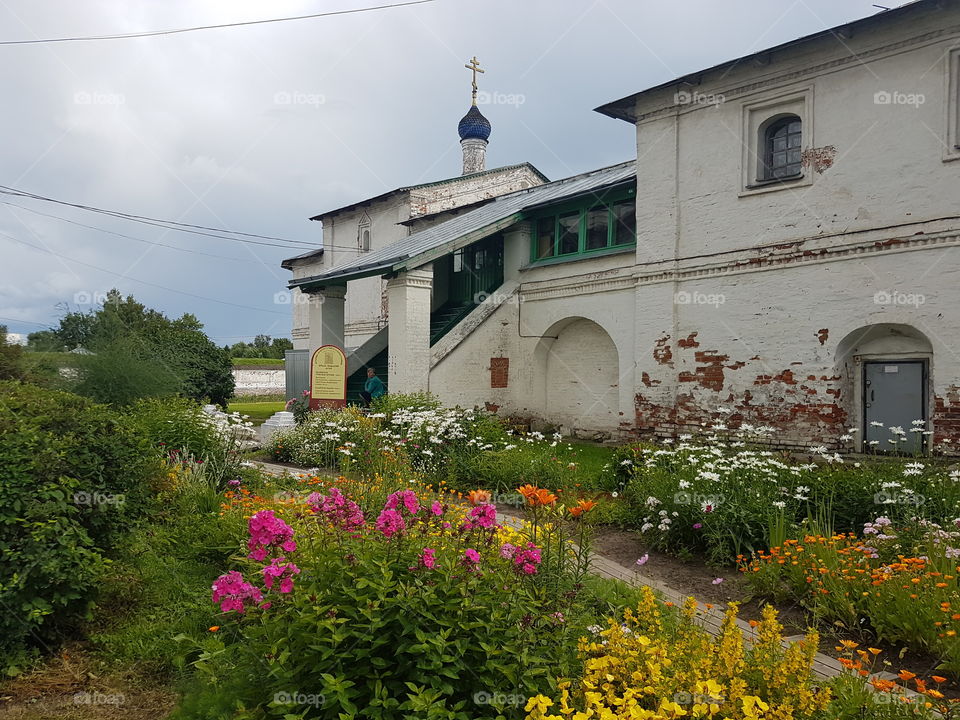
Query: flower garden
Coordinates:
[436,563]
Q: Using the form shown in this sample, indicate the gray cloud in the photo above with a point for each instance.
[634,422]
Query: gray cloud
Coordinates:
[256,129]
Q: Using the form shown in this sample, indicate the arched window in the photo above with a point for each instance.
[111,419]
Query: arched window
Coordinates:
[363,233]
[781,143]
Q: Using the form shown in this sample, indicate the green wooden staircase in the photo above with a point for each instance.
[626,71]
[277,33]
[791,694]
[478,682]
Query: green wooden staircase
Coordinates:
[357,379]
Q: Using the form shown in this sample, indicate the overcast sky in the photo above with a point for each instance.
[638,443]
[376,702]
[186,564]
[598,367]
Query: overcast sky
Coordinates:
[255,129]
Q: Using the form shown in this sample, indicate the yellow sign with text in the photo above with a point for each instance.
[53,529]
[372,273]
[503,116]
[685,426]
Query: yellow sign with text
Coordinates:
[328,377]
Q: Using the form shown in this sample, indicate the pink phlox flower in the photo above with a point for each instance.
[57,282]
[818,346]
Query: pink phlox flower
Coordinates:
[268,531]
[406,498]
[282,571]
[507,551]
[390,523]
[336,508]
[484,516]
[526,560]
[436,508]
[428,558]
[232,592]
[471,558]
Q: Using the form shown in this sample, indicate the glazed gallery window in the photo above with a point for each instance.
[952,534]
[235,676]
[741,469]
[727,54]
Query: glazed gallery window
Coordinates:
[595,227]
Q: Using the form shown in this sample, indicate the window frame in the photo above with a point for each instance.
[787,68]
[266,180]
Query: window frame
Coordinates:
[766,169]
[952,106]
[756,115]
[582,207]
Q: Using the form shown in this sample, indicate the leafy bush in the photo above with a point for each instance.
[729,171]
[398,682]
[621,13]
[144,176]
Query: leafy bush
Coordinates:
[897,583]
[123,371]
[72,477]
[158,587]
[394,615]
[653,664]
[389,404]
[184,433]
[175,348]
[722,497]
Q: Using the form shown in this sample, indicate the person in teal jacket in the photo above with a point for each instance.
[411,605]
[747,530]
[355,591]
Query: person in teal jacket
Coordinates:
[373,388]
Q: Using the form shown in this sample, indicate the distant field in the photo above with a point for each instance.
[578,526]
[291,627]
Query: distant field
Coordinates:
[258,411]
[258,361]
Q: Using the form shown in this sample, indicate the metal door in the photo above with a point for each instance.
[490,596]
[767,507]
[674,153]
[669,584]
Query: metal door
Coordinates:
[893,395]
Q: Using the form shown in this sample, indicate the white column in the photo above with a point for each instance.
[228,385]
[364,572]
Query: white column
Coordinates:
[516,250]
[408,301]
[326,317]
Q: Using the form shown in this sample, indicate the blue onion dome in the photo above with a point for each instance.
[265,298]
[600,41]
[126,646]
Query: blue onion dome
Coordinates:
[474,125]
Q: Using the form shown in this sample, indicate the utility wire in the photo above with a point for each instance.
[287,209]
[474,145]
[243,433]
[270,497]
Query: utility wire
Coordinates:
[177,31]
[128,237]
[166,224]
[136,280]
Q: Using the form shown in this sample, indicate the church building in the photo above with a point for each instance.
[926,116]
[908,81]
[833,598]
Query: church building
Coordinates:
[781,252]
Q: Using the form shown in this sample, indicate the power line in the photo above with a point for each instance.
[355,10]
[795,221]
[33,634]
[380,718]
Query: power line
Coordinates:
[128,237]
[166,224]
[136,280]
[177,31]
[25,322]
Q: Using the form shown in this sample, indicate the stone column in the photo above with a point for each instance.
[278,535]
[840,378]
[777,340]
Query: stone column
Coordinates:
[408,300]
[325,309]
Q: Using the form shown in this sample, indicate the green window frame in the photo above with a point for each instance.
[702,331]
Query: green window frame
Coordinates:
[587,227]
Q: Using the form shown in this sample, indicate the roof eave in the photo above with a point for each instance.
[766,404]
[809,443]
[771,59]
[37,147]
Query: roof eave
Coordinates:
[625,107]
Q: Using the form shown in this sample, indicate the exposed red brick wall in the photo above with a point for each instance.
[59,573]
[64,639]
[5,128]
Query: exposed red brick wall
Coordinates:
[946,420]
[499,372]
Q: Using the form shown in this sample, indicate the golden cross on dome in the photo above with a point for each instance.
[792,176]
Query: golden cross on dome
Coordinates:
[474,65]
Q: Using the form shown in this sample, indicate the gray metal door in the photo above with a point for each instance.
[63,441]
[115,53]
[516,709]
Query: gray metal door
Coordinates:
[893,394]
[297,365]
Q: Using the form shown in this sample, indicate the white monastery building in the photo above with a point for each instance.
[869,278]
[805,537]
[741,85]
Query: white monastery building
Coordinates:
[782,252]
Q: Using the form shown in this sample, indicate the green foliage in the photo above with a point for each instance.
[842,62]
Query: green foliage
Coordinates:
[158,588]
[122,371]
[370,633]
[263,347]
[73,475]
[173,348]
[389,404]
[15,364]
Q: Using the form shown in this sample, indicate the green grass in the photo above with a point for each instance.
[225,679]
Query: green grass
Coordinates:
[258,361]
[258,411]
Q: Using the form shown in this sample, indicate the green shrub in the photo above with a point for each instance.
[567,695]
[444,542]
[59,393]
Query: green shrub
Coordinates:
[369,629]
[123,371]
[73,475]
[388,404]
